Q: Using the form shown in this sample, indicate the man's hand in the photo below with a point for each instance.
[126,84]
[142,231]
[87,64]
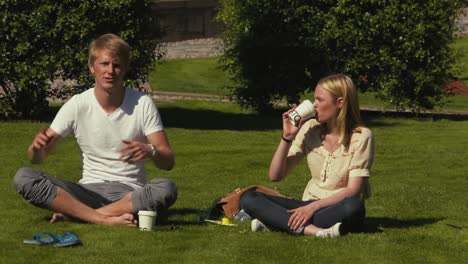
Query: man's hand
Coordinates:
[41,140]
[42,143]
[134,151]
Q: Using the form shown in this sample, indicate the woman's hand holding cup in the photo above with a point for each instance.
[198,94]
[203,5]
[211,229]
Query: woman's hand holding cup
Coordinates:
[289,129]
[295,117]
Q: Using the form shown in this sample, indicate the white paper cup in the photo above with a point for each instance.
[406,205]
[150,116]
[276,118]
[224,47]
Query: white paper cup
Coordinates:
[305,111]
[146,220]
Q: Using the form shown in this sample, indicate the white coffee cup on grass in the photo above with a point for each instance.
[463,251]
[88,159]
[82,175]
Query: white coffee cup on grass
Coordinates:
[304,111]
[146,220]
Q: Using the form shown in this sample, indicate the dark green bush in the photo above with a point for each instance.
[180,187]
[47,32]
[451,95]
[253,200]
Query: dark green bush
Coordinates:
[399,49]
[42,41]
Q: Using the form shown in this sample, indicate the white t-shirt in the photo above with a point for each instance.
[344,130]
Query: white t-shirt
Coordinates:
[100,134]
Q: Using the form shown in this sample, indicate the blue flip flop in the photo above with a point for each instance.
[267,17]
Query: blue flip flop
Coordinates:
[68,239]
[42,238]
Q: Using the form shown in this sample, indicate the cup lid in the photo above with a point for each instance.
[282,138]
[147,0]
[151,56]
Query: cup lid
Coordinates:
[148,213]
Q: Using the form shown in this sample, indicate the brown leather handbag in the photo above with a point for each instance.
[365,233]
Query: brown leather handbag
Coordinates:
[230,203]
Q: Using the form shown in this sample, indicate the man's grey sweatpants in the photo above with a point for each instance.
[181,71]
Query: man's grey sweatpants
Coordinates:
[40,190]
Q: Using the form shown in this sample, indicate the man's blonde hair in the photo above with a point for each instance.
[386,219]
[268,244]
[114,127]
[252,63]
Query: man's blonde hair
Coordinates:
[115,44]
[349,117]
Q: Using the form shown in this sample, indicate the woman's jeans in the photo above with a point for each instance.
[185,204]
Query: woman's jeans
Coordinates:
[273,211]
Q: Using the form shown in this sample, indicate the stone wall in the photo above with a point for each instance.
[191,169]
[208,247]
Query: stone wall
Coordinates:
[194,48]
[187,19]
[463,22]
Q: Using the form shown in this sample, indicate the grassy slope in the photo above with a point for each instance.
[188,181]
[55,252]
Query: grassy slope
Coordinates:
[461,45]
[204,76]
[189,75]
[419,188]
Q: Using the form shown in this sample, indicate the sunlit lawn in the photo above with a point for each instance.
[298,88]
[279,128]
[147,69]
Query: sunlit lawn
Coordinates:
[201,75]
[417,214]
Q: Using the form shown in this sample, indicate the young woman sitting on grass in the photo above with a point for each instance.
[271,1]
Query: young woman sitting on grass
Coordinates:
[339,151]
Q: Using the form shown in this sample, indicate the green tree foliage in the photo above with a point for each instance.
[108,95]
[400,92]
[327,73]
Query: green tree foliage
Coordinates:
[397,48]
[42,41]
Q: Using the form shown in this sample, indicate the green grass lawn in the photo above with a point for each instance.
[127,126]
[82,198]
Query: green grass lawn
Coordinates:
[204,76]
[462,46]
[201,75]
[419,185]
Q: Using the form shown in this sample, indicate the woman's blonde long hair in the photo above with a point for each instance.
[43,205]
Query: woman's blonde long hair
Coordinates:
[349,117]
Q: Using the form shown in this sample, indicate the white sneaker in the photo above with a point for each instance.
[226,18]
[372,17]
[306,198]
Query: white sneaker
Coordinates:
[258,226]
[333,231]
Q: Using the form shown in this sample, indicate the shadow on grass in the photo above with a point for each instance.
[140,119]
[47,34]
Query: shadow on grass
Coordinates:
[166,220]
[210,119]
[176,117]
[163,217]
[374,224]
[371,114]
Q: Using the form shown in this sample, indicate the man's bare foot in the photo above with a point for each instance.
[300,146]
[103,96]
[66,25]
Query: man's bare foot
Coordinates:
[58,217]
[125,219]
